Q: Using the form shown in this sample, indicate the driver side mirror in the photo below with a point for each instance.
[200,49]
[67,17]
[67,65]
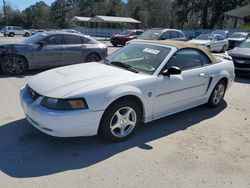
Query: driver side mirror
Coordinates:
[42,43]
[171,71]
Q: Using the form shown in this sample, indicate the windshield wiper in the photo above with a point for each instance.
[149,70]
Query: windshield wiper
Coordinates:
[124,65]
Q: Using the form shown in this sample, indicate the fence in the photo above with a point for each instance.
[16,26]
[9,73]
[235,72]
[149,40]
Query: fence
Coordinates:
[107,33]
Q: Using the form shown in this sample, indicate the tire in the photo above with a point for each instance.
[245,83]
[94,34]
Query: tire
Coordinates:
[14,65]
[115,45]
[217,94]
[26,35]
[93,57]
[224,48]
[11,34]
[120,120]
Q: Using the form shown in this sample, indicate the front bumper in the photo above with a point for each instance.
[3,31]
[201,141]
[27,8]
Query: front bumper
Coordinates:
[59,123]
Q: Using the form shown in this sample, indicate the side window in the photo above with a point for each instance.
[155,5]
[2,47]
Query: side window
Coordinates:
[85,40]
[132,34]
[221,38]
[173,34]
[216,38]
[8,28]
[165,35]
[72,39]
[53,40]
[185,59]
[139,32]
[180,35]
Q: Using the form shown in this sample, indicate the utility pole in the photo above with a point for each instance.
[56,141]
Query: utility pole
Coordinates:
[5,14]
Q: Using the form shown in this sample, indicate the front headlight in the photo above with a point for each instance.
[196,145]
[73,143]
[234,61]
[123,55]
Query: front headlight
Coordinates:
[64,104]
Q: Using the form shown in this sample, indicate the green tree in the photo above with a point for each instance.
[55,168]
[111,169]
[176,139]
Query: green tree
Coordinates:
[36,16]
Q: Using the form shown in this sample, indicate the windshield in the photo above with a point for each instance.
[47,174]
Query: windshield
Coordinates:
[141,57]
[150,35]
[126,32]
[238,35]
[205,37]
[245,44]
[35,38]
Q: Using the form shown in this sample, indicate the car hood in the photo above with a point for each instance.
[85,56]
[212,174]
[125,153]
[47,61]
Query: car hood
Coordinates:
[240,52]
[61,82]
[200,41]
[236,39]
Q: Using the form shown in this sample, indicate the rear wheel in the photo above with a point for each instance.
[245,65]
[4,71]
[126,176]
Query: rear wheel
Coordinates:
[218,93]
[14,65]
[120,120]
[93,57]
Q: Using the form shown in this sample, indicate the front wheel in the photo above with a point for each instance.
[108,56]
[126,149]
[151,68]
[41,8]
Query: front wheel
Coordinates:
[120,120]
[26,35]
[14,65]
[224,48]
[93,57]
[218,93]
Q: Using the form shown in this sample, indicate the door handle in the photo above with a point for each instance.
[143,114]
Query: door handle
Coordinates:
[203,75]
[83,46]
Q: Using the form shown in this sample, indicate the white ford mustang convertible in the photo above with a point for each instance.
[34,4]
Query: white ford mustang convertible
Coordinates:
[141,82]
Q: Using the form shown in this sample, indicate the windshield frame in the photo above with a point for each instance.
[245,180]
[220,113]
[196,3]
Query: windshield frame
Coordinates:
[172,50]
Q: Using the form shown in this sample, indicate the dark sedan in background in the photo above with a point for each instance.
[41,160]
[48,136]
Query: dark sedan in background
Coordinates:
[125,36]
[237,38]
[241,58]
[50,49]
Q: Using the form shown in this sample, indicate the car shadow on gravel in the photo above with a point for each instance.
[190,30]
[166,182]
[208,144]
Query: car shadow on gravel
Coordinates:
[25,152]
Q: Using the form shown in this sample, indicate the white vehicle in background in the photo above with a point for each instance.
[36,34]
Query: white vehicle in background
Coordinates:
[215,42]
[141,82]
[11,31]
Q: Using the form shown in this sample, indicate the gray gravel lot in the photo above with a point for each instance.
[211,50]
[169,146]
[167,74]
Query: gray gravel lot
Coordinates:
[201,147]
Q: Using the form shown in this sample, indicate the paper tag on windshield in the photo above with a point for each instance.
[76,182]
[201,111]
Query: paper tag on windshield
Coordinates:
[152,51]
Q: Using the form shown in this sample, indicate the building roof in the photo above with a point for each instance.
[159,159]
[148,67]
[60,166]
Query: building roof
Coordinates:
[81,19]
[241,12]
[181,45]
[113,19]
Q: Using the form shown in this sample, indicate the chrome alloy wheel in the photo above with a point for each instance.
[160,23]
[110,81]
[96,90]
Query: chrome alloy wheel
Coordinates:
[15,65]
[218,93]
[123,122]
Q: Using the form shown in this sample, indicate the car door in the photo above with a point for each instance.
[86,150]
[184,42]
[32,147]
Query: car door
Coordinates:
[217,45]
[76,48]
[177,91]
[50,53]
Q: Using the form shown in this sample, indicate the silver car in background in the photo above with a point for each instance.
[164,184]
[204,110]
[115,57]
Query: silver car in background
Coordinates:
[50,49]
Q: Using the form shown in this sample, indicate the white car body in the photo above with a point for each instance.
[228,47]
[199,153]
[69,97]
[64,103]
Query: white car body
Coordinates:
[214,45]
[101,85]
[14,30]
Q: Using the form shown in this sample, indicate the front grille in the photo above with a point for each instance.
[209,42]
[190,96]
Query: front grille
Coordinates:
[32,94]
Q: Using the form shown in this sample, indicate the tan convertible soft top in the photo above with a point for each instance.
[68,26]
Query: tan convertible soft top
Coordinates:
[182,45]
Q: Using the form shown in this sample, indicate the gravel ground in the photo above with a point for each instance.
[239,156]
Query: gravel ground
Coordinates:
[201,147]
